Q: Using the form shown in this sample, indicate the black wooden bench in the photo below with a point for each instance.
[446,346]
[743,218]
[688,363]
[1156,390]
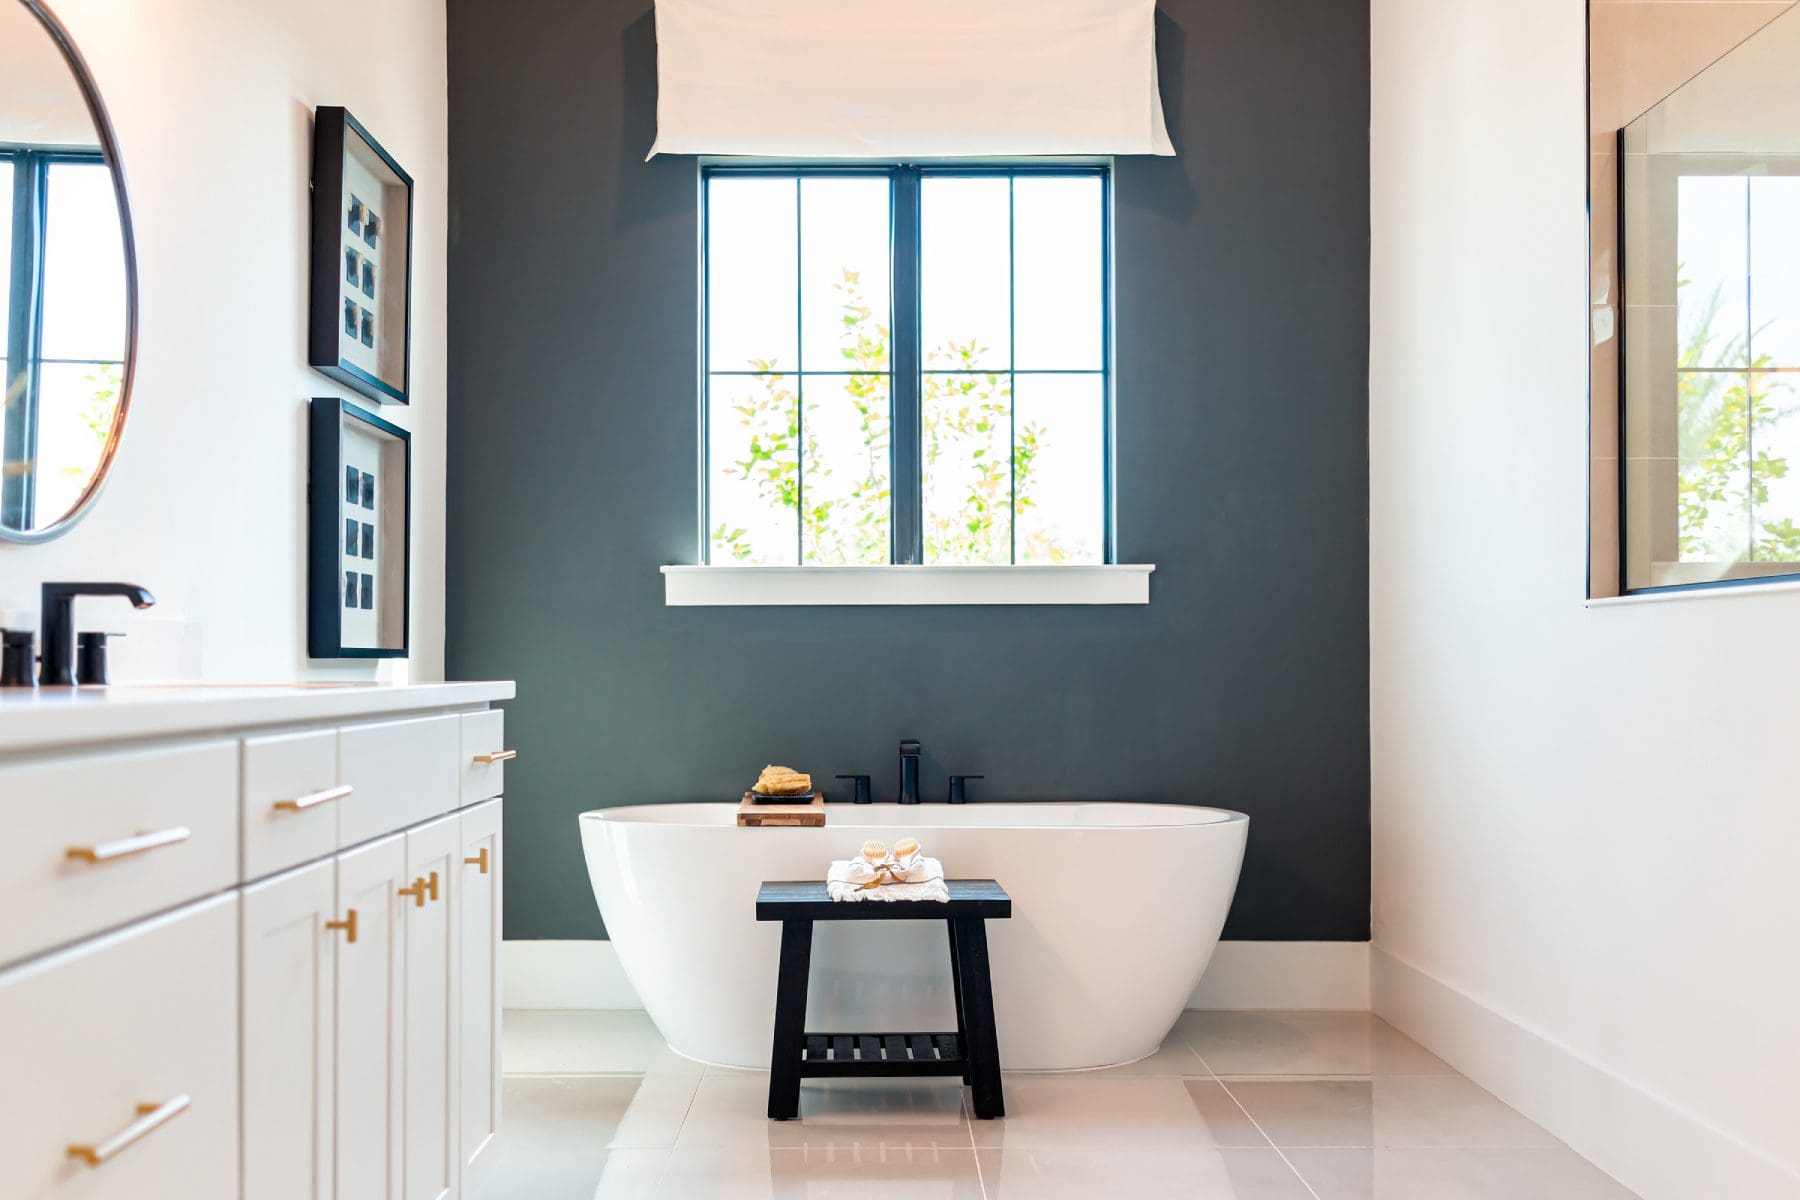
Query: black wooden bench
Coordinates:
[972,1052]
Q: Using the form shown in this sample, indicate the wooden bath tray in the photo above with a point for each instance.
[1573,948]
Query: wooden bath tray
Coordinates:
[753,812]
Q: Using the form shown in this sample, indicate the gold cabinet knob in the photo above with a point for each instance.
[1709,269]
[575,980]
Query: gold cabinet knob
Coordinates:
[417,891]
[480,860]
[348,925]
[495,756]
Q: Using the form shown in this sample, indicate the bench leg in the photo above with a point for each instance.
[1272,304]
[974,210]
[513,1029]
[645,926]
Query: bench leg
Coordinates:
[790,1020]
[956,983]
[983,1045]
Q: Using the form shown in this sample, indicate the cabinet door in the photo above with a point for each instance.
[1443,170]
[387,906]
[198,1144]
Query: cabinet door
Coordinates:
[288,979]
[434,869]
[125,1046]
[480,990]
[370,1007]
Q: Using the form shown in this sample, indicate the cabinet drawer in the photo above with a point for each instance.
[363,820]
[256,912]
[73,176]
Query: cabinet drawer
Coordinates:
[291,800]
[483,745]
[103,839]
[94,1036]
[403,772]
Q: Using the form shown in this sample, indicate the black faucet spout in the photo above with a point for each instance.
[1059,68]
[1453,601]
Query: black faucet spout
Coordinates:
[58,635]
[909,772]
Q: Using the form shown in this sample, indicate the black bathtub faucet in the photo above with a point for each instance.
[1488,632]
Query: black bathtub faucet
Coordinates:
[909,772]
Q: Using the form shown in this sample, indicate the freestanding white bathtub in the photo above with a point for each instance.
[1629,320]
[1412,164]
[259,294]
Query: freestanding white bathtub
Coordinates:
[1116,910]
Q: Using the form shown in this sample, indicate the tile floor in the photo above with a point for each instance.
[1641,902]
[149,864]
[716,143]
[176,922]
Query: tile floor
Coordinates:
[1235,1106]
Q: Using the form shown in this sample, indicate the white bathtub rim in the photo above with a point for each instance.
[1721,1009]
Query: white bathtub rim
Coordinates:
[1225,816]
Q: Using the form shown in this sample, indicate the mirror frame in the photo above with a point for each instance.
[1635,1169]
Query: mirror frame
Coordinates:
[109,150]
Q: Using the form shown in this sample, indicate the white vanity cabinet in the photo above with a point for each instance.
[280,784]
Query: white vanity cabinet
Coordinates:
[371,1038]
[256,951]
[289,985]
[431,986]
[479,991]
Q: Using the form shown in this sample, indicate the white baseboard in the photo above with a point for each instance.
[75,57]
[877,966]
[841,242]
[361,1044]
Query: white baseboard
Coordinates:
[574,974]
[1291,975]
[1652,1146]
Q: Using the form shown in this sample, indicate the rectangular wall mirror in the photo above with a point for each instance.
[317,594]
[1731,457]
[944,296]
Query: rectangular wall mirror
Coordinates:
[1694,123]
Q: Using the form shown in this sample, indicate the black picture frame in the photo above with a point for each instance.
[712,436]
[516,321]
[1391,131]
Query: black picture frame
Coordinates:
[330,510]
[340,145]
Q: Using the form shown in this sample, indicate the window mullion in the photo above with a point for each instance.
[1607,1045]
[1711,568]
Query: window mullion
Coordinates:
[18,438]
[906,439]
[799,373]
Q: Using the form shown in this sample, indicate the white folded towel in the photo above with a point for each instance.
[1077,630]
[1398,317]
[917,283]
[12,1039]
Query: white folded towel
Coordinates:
[924,881]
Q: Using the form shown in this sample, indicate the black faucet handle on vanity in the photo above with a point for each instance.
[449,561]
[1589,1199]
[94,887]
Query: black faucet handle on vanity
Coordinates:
[909,772]
[862,788]
[18,658]
[58,638]
[958,791]
[90,656]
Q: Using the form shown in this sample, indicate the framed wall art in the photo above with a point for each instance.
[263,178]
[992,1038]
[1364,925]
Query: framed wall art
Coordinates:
[360,315]
[359,533]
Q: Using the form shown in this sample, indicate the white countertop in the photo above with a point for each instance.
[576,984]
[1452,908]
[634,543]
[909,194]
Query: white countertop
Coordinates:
[40,718]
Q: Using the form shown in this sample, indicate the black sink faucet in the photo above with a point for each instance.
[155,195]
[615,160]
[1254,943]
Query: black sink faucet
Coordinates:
[909,772]
[58,636]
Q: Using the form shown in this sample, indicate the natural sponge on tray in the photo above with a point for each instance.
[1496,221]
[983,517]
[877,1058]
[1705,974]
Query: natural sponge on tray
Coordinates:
[782,781]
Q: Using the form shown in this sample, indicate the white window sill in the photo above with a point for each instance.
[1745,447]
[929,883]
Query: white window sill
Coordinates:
[1119,583]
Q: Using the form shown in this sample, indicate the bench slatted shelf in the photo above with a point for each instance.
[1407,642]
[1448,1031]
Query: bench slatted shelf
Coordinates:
[971,1052]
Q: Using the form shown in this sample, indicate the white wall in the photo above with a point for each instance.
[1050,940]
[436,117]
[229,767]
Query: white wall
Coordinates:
[1587,827]
[213,100]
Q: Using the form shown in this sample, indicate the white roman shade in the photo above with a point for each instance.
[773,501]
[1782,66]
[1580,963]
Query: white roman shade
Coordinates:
[907,78]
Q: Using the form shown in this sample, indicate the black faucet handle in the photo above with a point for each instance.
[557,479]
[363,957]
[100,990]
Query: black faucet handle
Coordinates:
[18,658]
[958,793]
[90,656]
[862,787]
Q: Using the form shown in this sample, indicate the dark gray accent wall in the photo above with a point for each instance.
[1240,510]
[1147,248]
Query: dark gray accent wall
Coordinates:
[1242,281]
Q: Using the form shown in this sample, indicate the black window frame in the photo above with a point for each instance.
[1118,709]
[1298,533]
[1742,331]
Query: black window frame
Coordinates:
[905,377]
[25,319]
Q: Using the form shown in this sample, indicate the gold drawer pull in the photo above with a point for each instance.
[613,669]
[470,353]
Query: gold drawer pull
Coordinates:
[432,886]
[151,1117]
[302,803]
[348,925]
[480,860]
[496,756]
[126,847]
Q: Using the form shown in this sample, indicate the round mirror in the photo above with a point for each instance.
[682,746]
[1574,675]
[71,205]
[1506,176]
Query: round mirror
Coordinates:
[68,284]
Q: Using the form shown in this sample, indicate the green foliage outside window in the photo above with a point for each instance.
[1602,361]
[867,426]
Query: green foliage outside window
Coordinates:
[847,507]
[1723,483]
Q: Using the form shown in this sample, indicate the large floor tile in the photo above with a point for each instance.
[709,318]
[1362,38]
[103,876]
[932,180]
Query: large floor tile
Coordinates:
[1171,1173]
[1098,1110]
[586,1041]
[551,1116]
[605,1175]
[857,1173]
[1397,1111]
[1304,1043]
[731,1112]
[1555,1173]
